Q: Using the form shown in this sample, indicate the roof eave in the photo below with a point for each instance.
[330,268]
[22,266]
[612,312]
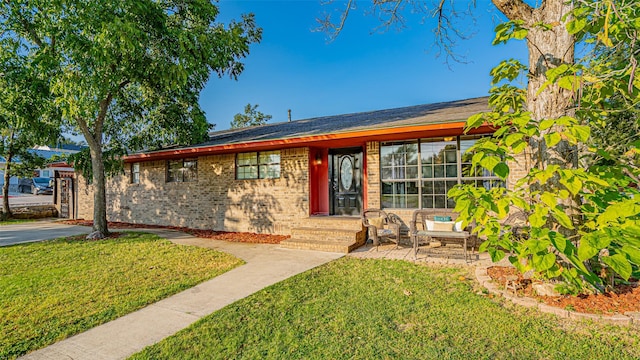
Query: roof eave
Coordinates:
[453,128]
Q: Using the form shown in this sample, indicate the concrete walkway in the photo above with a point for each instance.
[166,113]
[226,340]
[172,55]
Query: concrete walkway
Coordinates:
[118,339]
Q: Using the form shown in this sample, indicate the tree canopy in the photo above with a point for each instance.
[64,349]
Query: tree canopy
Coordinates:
[27,117]
[127,74]
[251,117]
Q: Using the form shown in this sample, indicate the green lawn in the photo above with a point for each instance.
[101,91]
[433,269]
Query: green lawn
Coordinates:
[381,309]
[51,290]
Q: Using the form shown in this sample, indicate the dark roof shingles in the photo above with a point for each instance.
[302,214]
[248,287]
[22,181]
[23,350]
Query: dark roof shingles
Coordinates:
[437,113]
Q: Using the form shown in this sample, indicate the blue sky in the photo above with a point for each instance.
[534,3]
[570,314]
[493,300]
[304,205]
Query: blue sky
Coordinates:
[297,68]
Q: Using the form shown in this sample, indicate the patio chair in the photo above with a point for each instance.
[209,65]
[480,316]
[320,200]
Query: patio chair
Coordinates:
[381,225]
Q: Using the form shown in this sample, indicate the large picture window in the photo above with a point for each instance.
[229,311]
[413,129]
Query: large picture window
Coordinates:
[419,173]
[183,170]
[258,165]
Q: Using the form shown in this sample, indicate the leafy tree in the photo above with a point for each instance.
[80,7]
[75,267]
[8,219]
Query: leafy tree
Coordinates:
[581,220]
[25,117]
[129,72]
[251,117]
[598,234]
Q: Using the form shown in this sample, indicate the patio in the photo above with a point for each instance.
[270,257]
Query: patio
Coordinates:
[450,254]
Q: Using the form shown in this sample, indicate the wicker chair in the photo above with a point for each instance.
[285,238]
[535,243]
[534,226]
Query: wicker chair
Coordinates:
[390,229]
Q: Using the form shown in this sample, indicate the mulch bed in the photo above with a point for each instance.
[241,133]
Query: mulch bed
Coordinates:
[206,234]
[621,299]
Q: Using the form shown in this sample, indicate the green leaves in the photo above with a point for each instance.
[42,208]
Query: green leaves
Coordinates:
[573,214]
[509,30]
[507,70]
[591,244]
[619,264]
[571,182]
[475,121]
[251,117]
[501,170]
[552,139]
[619,212]
[543,262]
[576,25]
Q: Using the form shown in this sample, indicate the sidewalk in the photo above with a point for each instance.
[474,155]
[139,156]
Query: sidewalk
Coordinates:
[118,339]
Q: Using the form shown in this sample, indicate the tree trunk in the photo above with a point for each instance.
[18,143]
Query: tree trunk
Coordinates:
[547,49]
[6,210]
[100,229]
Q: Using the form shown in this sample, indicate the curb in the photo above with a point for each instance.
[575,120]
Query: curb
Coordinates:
[628,319]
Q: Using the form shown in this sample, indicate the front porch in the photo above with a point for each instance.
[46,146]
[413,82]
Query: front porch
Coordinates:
[345,234]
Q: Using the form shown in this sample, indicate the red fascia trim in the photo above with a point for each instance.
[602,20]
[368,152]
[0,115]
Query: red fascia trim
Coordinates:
[58,164]
[451,129]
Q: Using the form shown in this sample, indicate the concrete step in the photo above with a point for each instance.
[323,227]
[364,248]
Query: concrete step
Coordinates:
[341,246]
[333,222]
[308,233]
[327,233]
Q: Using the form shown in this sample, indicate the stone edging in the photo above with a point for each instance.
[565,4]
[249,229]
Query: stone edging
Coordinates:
[630,318]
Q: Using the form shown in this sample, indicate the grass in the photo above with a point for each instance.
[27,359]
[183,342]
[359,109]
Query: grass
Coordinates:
[381,309]
[51,290]
[15,221]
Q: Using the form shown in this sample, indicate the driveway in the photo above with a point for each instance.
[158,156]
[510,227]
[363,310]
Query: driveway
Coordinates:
[38,231]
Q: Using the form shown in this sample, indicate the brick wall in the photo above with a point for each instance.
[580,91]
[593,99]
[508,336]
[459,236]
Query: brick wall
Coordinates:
[519,167]
[215,201]
[373,175]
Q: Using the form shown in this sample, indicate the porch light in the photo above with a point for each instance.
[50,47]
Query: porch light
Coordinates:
[448,138]
[318,159]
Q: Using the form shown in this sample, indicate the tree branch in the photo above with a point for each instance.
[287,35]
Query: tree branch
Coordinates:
[102,114]
[514,9]
[123,84]
[84,127]
[28,27]
[334,29]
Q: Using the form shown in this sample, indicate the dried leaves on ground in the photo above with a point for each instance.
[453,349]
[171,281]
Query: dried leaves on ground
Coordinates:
[245,237]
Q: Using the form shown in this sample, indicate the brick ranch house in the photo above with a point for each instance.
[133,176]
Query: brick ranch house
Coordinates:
[307,178]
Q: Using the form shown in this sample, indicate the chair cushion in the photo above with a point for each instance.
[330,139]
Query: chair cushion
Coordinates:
[428,224]
[443,226]
[457,226]
[385,232]
[378,222]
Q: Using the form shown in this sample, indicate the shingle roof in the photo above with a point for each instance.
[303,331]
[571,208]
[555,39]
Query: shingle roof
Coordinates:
[438,113]
[381,124]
